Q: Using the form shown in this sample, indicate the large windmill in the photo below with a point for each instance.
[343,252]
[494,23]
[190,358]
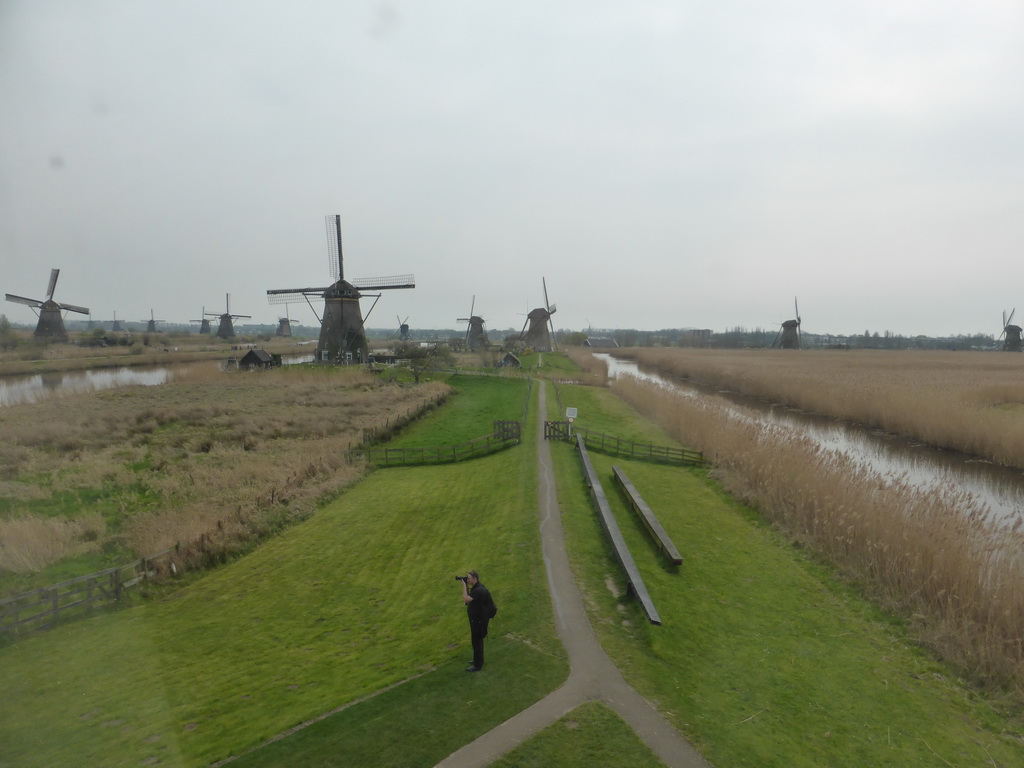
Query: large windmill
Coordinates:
[476,336]
[284,324]
[342,337]
[540,335]
[1012,340]
[226,329]
[51,313]
[789,334]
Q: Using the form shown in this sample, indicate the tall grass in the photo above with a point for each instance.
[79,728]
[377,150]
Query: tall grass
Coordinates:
[931,556]
[234,455]
[967,401]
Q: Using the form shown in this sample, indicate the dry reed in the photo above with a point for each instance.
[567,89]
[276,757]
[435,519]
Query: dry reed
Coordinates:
[595,370]
[30,544]
[237,454]
[966,401]
[931,556]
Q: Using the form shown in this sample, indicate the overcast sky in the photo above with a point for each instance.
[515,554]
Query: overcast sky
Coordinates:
[661,164]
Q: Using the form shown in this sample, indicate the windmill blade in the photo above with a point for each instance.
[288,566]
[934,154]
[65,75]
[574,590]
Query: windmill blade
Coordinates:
[54,273]
[245,316]
[23,300]
[1010,318]
[79,310]
[285,295]
[523,332]
[796,309]
[547,304]
[385,283]
[334,255]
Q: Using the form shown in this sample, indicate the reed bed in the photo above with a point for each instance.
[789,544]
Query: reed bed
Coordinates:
[595,370]
[228,456]
[931,557]
[966,401]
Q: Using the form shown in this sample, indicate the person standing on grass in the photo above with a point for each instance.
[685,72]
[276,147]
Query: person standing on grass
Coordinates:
[479,608]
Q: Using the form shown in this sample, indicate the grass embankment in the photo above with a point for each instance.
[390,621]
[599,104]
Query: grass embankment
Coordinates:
[359,597]
[764,658]
[967,401]
[89,481]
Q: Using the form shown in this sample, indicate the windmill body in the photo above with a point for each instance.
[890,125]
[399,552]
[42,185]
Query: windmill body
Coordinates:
[204,322]
[51,313]
[342,336]
[226,329]
[403,328]
[789,334]
[476,336]
[538,335]
[151,323]
[1011,334]
[284,324]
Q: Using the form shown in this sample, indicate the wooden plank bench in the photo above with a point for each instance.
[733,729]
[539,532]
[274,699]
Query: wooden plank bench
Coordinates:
[647,517]
[633,577]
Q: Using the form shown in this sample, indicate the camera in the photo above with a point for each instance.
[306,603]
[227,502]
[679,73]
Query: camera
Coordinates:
[460,578]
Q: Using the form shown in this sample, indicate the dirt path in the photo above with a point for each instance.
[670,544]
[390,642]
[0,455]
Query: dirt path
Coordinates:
[592,675]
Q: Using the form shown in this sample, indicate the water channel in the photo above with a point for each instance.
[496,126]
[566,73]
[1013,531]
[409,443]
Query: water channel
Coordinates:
[32,388]
[999,488]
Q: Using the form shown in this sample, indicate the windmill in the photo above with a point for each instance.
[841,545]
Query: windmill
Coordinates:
[51,313]
[789,334]
[115,324]
[1012,342]
[476,336]
[403,328]
[204,323]
[540,335]
[284,324]
[342,337]
[226,330]
[151,323]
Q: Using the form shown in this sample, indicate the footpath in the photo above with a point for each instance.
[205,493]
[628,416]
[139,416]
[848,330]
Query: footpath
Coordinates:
[592,675]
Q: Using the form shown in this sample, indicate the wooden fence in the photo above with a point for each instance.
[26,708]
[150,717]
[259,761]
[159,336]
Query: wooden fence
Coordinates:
[505,435]
[73,598]
[617,446]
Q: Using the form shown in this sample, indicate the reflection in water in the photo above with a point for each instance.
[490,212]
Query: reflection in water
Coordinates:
[999,488]
[30,389]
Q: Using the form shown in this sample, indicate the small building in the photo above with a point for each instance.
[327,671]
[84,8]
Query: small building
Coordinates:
[258,359]
[510,361]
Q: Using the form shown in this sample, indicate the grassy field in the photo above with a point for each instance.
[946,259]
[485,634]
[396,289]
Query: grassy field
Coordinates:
[968,401]
[765,657]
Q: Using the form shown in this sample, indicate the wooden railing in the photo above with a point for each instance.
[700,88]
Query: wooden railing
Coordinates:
[647,517]
[617,446]
[633,577]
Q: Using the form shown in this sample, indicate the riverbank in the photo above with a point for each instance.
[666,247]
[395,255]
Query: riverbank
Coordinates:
[144,350]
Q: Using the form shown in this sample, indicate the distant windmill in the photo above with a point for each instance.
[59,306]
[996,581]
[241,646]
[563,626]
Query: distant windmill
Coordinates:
[789,334]
[204,323]
[226,330]
[540,335]
[151,323]
[403,328]
[284,324]
[115,324]
[476,336]
[51,313]
[1012,342]
[342,336]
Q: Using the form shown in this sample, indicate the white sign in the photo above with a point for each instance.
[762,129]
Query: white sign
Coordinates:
[570,413]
